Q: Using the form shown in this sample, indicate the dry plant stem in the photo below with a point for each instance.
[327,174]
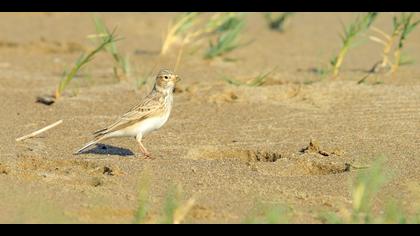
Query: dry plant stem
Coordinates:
[178,58]
[340,59]
[192,36]
[170,36]
[388,44]
[395,66]
[31,135]
[182,211]
[402,27]
[350,34]
[168,40]
[387,49]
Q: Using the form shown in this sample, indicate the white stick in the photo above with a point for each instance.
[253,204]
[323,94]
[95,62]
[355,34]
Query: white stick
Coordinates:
[39,131]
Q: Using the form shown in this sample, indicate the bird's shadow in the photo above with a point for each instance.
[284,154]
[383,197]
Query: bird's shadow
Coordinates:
[104,149]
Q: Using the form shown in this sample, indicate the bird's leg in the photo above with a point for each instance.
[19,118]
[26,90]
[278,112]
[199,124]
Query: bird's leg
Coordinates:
[142,148]
[144,151]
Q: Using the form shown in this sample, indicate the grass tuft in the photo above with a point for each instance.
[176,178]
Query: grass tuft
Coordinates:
[170,206]
[393,42]
[143,202]
[174,210]
[365,188]
[268,214]
[178,30]
[190,28]
[82,61]
[407,26]
[219,22]
[367,184]
[123,62]
[359,25]
[228,38]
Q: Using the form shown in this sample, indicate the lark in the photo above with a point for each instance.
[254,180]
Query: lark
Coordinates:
[149,115]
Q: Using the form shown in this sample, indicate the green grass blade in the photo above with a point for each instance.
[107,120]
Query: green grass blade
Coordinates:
[228,40]
[81,62]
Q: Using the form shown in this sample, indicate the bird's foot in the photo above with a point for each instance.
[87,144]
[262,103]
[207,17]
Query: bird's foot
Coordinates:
[146,156]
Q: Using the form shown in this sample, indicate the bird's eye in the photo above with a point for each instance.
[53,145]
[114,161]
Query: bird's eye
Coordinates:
[166,77]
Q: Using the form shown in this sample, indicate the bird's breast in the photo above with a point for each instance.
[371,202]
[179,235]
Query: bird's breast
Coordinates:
[155,122]
[152,123]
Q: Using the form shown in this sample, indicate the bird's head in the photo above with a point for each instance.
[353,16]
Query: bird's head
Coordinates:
[166,80]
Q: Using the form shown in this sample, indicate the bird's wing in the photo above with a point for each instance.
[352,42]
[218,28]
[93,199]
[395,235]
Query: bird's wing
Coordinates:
[150,106]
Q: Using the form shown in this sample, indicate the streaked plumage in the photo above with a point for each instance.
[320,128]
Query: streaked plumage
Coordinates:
[149,115]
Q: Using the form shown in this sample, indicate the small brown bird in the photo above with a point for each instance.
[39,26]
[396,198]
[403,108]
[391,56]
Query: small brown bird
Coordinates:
[149,115]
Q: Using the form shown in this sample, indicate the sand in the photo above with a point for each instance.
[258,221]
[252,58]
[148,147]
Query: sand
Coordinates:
[229,147]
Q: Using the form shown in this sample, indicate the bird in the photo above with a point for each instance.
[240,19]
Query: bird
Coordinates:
[148,115]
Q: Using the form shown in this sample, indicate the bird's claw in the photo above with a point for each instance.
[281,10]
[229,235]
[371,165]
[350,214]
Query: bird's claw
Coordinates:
[146,156]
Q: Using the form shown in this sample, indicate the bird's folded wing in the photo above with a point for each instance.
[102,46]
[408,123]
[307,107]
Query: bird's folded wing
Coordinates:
[146,109]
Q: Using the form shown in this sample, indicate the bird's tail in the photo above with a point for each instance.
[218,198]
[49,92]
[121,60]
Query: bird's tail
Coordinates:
[95,141]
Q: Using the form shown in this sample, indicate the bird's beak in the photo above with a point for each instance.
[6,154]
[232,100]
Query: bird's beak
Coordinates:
[177,79]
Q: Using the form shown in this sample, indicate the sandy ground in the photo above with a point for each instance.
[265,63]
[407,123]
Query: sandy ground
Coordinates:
[229,147]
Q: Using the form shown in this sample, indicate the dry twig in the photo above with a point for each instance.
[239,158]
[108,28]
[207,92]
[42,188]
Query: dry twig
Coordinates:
[31,135]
